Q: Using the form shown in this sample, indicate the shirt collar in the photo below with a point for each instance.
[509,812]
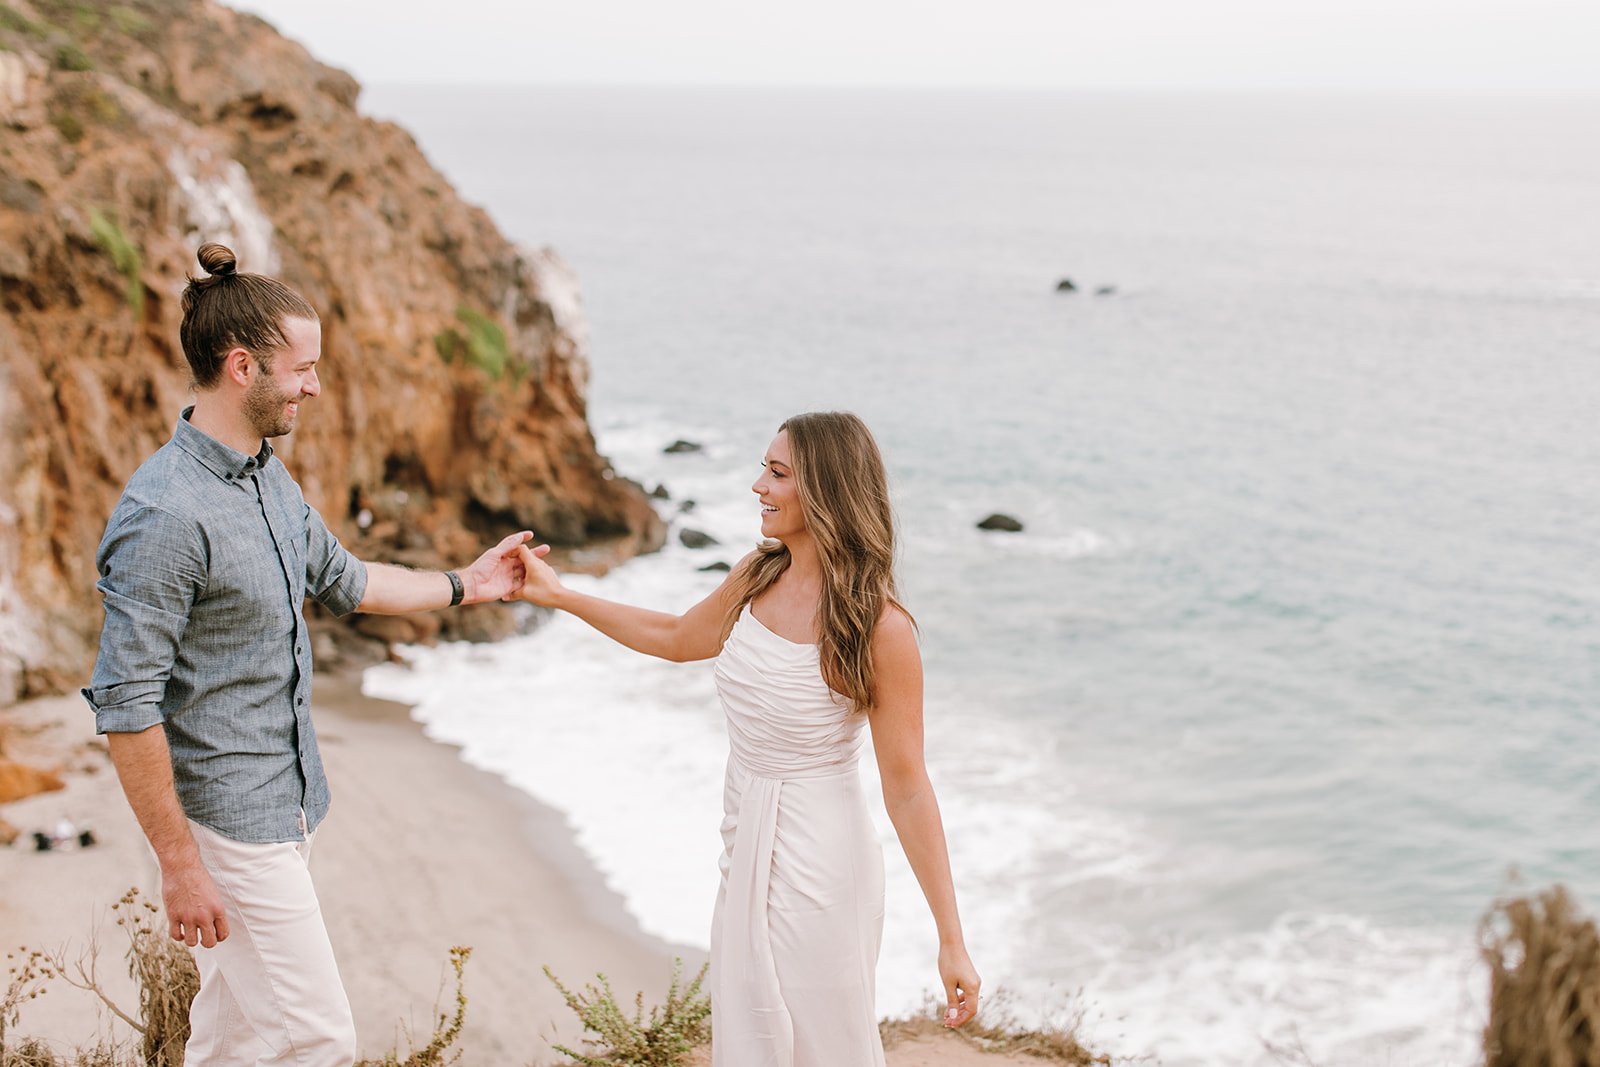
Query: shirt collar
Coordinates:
[226,463]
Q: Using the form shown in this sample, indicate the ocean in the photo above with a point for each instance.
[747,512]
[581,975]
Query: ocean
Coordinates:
[1295,667]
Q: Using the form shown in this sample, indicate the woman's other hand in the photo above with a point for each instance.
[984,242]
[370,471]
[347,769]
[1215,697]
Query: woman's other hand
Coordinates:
[961,983]
[540,585]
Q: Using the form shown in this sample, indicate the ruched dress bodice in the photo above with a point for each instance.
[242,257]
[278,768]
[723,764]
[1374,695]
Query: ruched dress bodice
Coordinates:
[799,916]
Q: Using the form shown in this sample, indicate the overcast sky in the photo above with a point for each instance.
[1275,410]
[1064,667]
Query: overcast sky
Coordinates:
[1446,45]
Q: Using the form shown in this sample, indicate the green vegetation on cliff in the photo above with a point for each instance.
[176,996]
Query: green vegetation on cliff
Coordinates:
[124,255]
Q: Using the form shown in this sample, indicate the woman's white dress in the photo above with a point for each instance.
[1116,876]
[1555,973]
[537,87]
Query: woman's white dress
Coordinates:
[799,917]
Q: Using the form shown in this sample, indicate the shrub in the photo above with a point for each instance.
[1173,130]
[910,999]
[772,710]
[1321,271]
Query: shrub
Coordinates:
[483,345]
[681,1024]
[131,22]
[70,57]
[11,20]
[124,255]
[1544,983]
[437,1052]
[68,125]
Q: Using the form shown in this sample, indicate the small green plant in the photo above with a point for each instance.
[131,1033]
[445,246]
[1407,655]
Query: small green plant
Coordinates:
[70,57]
[677,1027]
[11,20]
[131,22]
[483,344]
[68,125]
[124,255]
[437,1052]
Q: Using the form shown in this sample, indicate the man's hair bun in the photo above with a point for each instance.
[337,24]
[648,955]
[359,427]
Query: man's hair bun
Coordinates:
[217,260]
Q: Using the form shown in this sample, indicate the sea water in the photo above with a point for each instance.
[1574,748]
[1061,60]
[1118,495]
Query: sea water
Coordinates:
[1298,655]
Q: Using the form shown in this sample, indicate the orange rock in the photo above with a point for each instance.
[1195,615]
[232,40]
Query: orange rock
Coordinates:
[18,780]
[455,364]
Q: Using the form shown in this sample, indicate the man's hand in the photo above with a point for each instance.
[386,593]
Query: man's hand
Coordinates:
[194,908]
[498,573]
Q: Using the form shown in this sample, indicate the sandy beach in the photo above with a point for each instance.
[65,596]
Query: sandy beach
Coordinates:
[420,852]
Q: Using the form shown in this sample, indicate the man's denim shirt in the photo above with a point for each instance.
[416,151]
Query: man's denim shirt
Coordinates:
[204,568]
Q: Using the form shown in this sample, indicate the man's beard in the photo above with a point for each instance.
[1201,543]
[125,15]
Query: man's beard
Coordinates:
[264,407]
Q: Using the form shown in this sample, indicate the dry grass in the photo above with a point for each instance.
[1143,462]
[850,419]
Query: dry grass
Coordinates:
[997,1030]
[1544,983]
[167,980]
[675,1029]
[439,1050]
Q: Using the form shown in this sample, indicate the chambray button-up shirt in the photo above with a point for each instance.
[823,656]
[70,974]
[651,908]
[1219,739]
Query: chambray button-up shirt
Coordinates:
[204,568]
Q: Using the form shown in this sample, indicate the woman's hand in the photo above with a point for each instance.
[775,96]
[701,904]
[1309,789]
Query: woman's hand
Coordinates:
[539,582]
[960,985]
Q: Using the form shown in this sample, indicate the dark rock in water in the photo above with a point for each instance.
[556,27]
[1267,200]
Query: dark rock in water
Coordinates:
[686,506]
[679,447]
[1004,523]
[696,539]
[719,565]
[660,493]
[1065,286]
[1105,290]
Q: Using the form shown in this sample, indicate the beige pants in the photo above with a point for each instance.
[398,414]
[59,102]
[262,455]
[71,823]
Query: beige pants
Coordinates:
[270,993]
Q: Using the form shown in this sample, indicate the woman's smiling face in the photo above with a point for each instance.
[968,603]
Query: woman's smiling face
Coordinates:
[780,497]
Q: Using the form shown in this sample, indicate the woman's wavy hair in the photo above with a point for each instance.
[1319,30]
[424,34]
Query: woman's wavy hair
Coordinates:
[844,498]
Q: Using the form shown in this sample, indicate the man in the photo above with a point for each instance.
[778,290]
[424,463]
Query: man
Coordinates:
[203,681]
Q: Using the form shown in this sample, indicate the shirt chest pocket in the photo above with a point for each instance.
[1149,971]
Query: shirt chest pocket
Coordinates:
[289,530]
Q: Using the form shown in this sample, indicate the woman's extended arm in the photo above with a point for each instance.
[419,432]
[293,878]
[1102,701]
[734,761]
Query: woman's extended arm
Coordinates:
[896,719]
[696,634]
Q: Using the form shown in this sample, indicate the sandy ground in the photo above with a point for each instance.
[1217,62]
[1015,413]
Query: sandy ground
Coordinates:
[420,852]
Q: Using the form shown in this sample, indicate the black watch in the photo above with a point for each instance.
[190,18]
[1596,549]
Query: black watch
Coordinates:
[456,589]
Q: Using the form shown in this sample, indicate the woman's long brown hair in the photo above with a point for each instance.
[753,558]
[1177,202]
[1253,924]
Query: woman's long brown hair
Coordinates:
[844,498]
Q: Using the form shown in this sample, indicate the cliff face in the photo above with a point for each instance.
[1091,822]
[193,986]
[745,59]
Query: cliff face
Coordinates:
[454,363]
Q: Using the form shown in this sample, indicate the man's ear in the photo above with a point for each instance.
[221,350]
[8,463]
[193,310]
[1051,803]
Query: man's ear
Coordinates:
[238,365]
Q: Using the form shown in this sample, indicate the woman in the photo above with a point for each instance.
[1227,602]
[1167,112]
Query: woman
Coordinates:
[811,645]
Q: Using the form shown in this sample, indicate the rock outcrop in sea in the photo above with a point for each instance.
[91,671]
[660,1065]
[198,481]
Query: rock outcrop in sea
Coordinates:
[454,363]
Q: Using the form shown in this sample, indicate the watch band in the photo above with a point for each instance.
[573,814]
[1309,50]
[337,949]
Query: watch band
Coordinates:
[456,589]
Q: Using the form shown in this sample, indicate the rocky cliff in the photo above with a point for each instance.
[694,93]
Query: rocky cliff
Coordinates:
[454,364]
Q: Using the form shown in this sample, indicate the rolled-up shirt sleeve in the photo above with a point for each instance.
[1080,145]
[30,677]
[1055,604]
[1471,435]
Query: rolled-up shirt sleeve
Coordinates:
[333,575]
[152,568]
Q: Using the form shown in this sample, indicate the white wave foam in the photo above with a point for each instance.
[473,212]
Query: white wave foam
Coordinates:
[1338,989]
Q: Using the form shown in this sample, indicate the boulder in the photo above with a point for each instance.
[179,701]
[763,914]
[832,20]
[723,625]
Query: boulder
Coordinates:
[681,447]
[1065,286]
[18,780]
[696,539]
[720,566]
[398,629]
[1002,523]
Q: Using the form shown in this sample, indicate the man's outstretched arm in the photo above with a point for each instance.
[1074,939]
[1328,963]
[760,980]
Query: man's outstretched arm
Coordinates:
[495,575]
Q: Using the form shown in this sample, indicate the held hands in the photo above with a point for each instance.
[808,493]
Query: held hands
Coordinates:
[540,584]
[194,908]
[498,573]
[960,985]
